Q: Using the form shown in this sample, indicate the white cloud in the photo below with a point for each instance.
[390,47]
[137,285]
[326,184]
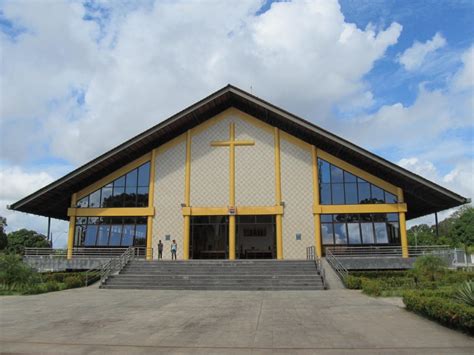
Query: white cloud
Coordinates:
[413,57]
[460,180]
[154,61]
[465,77]
[15,183]
[430,127]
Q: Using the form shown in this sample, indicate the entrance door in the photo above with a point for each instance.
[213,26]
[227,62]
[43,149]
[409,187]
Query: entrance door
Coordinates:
[256,237]
[209,237]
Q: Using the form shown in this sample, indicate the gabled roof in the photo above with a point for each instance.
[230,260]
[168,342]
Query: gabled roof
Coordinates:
[422,196]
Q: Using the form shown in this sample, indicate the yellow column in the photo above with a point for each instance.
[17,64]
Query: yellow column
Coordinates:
[232,193]
[278,200]
[187,197]
[231,237]
[151,197]
[72,228]
[403,226]
[317,217]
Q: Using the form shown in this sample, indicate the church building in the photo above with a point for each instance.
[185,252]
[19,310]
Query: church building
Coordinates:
[235,177]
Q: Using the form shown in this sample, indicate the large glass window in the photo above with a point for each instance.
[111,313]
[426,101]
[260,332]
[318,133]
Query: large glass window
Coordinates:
[339,187]
[110,231]
[357,229]
[129,190]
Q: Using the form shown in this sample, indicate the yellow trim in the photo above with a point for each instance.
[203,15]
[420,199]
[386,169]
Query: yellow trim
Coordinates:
[403,225]
[317,220]
[187,195]
[111,177]
[279,219]
[362,208]
[240,211]
[277,167]
[296,141]
[232,237]
[111,212]
[356,171]
[233,143]
[151,198]
[232,169]
[72,228]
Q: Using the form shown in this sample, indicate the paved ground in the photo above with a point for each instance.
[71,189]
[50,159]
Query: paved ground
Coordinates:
[97,321]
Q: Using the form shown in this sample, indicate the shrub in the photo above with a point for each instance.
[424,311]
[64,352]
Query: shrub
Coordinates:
[73,281]
[443,310]
[13,272]
[465,293]
[429,267]
[352,282]
[371,287]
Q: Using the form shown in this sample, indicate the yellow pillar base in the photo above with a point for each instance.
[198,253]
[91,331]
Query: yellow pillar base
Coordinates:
[187,224]
[70,239]
[149,238]
[403,234]
[317,235]
[231,237]
[279,237]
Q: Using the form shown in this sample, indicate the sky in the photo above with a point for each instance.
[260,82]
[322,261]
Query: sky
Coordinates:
[78,78]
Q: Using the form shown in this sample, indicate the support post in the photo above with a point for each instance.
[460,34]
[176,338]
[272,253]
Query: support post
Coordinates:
[317,217]
[278,199]
[436,224]
[403,226]
[50,240]
[232,237]
[187,197]
[72,228]
[151,198]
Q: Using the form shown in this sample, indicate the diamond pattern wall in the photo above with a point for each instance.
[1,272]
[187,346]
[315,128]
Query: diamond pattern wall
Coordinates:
[297,193]
[210,167]
[169,194]
[254,166]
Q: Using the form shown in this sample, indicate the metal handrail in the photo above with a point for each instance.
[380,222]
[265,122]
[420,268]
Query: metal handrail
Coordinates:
[116,264]
[340,270]
[383,250]
[83,252]
[311,255]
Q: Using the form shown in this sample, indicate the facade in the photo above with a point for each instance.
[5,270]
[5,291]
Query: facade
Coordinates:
[231,185]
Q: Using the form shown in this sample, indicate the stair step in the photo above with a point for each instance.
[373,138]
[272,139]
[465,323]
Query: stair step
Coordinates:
[217,275]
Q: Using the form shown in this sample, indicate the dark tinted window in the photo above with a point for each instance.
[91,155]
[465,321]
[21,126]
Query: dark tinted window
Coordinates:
[337,187]
[364,228]
[130,190]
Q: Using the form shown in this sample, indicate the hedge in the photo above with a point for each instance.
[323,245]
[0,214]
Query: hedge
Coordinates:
[441,309]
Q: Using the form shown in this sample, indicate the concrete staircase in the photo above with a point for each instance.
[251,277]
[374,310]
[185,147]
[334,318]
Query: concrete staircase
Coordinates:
[217,275]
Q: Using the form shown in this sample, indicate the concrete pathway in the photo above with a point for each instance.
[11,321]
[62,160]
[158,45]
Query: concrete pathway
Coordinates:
[93,321]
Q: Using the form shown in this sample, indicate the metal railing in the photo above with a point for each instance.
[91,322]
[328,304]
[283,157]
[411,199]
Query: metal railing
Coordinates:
[84,253]
[116,265]
[311,255]
[340,270]
[384,250]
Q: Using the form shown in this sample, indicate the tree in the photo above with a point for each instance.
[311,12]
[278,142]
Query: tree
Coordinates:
[3,234]
[429,266]
[462,231]
[24,238]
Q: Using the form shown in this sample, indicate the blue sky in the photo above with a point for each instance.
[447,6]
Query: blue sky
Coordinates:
[79,77]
